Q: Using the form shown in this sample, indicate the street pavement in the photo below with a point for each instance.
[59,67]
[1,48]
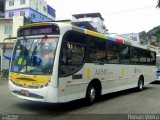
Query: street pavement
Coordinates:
[120,105]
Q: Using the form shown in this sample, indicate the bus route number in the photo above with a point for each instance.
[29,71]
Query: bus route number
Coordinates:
[101,72]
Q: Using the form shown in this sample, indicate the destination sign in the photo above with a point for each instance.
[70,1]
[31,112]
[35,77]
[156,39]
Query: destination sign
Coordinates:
[39,30]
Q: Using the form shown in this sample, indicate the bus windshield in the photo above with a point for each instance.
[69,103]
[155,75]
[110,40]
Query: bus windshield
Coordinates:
[34,56]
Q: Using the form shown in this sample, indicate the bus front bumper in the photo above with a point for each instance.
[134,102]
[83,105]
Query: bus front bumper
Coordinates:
[29,94]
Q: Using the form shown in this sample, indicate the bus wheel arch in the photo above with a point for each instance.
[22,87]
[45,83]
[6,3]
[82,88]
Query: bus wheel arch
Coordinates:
[93,91]
[140,83]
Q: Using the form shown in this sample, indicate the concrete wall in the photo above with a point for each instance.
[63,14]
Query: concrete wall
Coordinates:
[17,12]
[39,7]
[16,5]
[17,22]
[29,14]
[3,24]
[98,24]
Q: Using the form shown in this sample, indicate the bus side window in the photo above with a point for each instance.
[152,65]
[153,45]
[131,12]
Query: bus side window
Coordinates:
[135,55]
[66,54]
[113,52]
[124,54]
[69,53]
[97,50]
[148,55]
[153,58]
[142,56]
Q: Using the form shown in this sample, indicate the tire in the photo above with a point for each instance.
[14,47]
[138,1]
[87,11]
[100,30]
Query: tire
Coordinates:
[140,84]
[91,94]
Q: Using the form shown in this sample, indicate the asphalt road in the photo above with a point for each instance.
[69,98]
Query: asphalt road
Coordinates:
[127,104]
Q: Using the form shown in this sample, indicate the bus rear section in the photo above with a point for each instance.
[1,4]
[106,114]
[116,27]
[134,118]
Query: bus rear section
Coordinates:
[158,67]
[158,76]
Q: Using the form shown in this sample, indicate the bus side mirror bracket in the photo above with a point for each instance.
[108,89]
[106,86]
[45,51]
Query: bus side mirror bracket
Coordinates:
[4,46]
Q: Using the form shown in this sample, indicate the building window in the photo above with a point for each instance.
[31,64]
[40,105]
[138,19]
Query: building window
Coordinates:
[33,15]
[43,18]
[22,2]
[22,13]
[11,14]
[11,2]
[8,30]
[44,9]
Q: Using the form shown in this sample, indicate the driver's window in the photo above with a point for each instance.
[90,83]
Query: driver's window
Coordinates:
[72,53]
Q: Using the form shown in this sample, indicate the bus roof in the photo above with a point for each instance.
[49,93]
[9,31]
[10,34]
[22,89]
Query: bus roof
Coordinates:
[121,40]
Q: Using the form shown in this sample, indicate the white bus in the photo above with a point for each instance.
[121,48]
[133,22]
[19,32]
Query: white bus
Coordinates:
[58,62]
[158,67]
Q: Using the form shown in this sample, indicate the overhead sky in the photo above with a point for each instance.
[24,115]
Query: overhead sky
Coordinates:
[121,16]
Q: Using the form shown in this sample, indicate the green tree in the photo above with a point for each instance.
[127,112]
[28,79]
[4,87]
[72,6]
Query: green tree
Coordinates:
[143,37]
[152,36]
[158,40]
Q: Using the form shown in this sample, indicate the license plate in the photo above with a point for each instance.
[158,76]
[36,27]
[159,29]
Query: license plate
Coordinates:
[25,92]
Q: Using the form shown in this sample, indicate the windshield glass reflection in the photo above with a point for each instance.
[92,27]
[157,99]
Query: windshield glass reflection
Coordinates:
[34,56]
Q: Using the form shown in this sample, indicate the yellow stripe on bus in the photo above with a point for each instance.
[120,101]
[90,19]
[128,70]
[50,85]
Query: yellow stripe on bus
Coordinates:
[88,74]
[123,72]
[29,80]
[89,32]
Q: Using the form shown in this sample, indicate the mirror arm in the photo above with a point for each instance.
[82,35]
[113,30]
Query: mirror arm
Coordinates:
[4,46]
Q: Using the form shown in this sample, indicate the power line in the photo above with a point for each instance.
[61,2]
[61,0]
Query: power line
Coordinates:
[132,10]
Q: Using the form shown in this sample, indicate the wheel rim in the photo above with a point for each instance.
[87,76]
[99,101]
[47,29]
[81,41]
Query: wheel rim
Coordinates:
[140,85]
[92,94]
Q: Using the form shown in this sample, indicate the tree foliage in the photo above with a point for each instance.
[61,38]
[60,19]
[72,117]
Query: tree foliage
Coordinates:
[152,36]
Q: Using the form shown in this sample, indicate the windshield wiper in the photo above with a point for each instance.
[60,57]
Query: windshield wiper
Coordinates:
[39,45]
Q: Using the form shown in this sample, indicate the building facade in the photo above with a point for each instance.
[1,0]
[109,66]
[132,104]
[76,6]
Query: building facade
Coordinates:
[9,29]
[18,13]
[92,21]
[134,37]
[34,10]
[6,28]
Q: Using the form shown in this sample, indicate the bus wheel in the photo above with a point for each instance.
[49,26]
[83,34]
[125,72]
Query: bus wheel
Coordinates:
[140,84]
[91,94]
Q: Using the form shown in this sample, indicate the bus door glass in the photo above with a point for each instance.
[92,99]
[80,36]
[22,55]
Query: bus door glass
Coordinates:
[71,63]
[72,53]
